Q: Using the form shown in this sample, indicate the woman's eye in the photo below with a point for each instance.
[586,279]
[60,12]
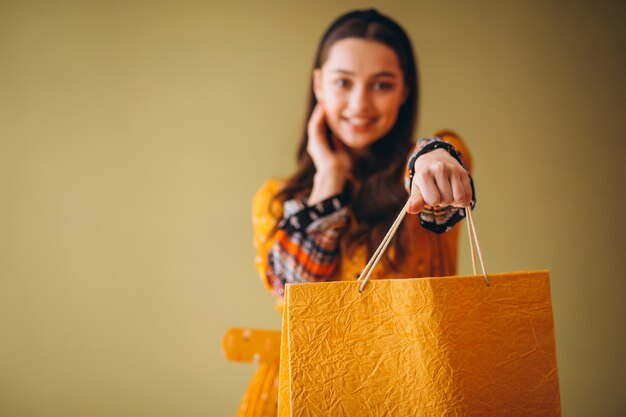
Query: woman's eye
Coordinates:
[342,83]
[384,86]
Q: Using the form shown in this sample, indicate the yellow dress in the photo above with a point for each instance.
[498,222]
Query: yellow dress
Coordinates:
[431,255]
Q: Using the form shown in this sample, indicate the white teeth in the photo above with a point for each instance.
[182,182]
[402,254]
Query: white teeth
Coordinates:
[358,121]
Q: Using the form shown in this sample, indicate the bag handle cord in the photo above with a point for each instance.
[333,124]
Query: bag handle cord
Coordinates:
[471,231]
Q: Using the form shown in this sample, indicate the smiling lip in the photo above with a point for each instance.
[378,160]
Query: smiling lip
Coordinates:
[360,124]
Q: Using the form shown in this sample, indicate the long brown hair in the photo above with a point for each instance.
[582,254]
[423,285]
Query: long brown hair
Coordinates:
[381,195]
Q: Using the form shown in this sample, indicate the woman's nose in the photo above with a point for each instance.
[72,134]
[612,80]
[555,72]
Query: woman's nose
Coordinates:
[359,99]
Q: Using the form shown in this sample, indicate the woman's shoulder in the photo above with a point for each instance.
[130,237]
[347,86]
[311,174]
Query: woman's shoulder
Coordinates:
[265,194]
[269,189]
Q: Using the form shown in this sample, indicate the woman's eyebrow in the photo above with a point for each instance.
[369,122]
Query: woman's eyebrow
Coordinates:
[378,74]
[385,74]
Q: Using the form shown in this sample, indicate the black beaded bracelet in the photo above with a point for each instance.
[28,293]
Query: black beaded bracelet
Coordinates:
[437,143]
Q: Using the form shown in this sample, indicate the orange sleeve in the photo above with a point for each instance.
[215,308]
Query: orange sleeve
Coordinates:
[263,221]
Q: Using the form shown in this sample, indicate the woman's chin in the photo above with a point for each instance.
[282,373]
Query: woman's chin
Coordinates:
[358,142]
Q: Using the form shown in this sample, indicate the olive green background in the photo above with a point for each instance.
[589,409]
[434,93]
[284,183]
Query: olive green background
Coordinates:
[133,135]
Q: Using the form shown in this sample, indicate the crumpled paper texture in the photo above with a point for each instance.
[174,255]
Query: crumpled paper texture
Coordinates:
[420,347]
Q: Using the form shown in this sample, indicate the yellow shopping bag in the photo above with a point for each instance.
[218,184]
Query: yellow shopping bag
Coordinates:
[451,346]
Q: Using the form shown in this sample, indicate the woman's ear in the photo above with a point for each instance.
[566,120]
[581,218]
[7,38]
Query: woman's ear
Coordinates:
[317,84]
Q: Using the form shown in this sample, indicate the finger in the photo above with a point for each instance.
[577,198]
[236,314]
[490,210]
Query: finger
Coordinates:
[317,143]
[442,180]
[458,190]
[428,188]
[315,126]
[468,189]
[417,201]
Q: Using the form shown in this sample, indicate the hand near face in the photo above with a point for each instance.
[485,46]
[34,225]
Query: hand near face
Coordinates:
[439,181]
[332,165]
[326,159]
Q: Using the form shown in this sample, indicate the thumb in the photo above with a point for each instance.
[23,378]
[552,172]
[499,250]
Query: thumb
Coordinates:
[416,201]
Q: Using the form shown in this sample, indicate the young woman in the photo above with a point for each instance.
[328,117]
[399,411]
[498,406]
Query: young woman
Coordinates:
[357,166]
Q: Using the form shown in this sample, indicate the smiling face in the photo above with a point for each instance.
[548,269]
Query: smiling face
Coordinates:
[361,87]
